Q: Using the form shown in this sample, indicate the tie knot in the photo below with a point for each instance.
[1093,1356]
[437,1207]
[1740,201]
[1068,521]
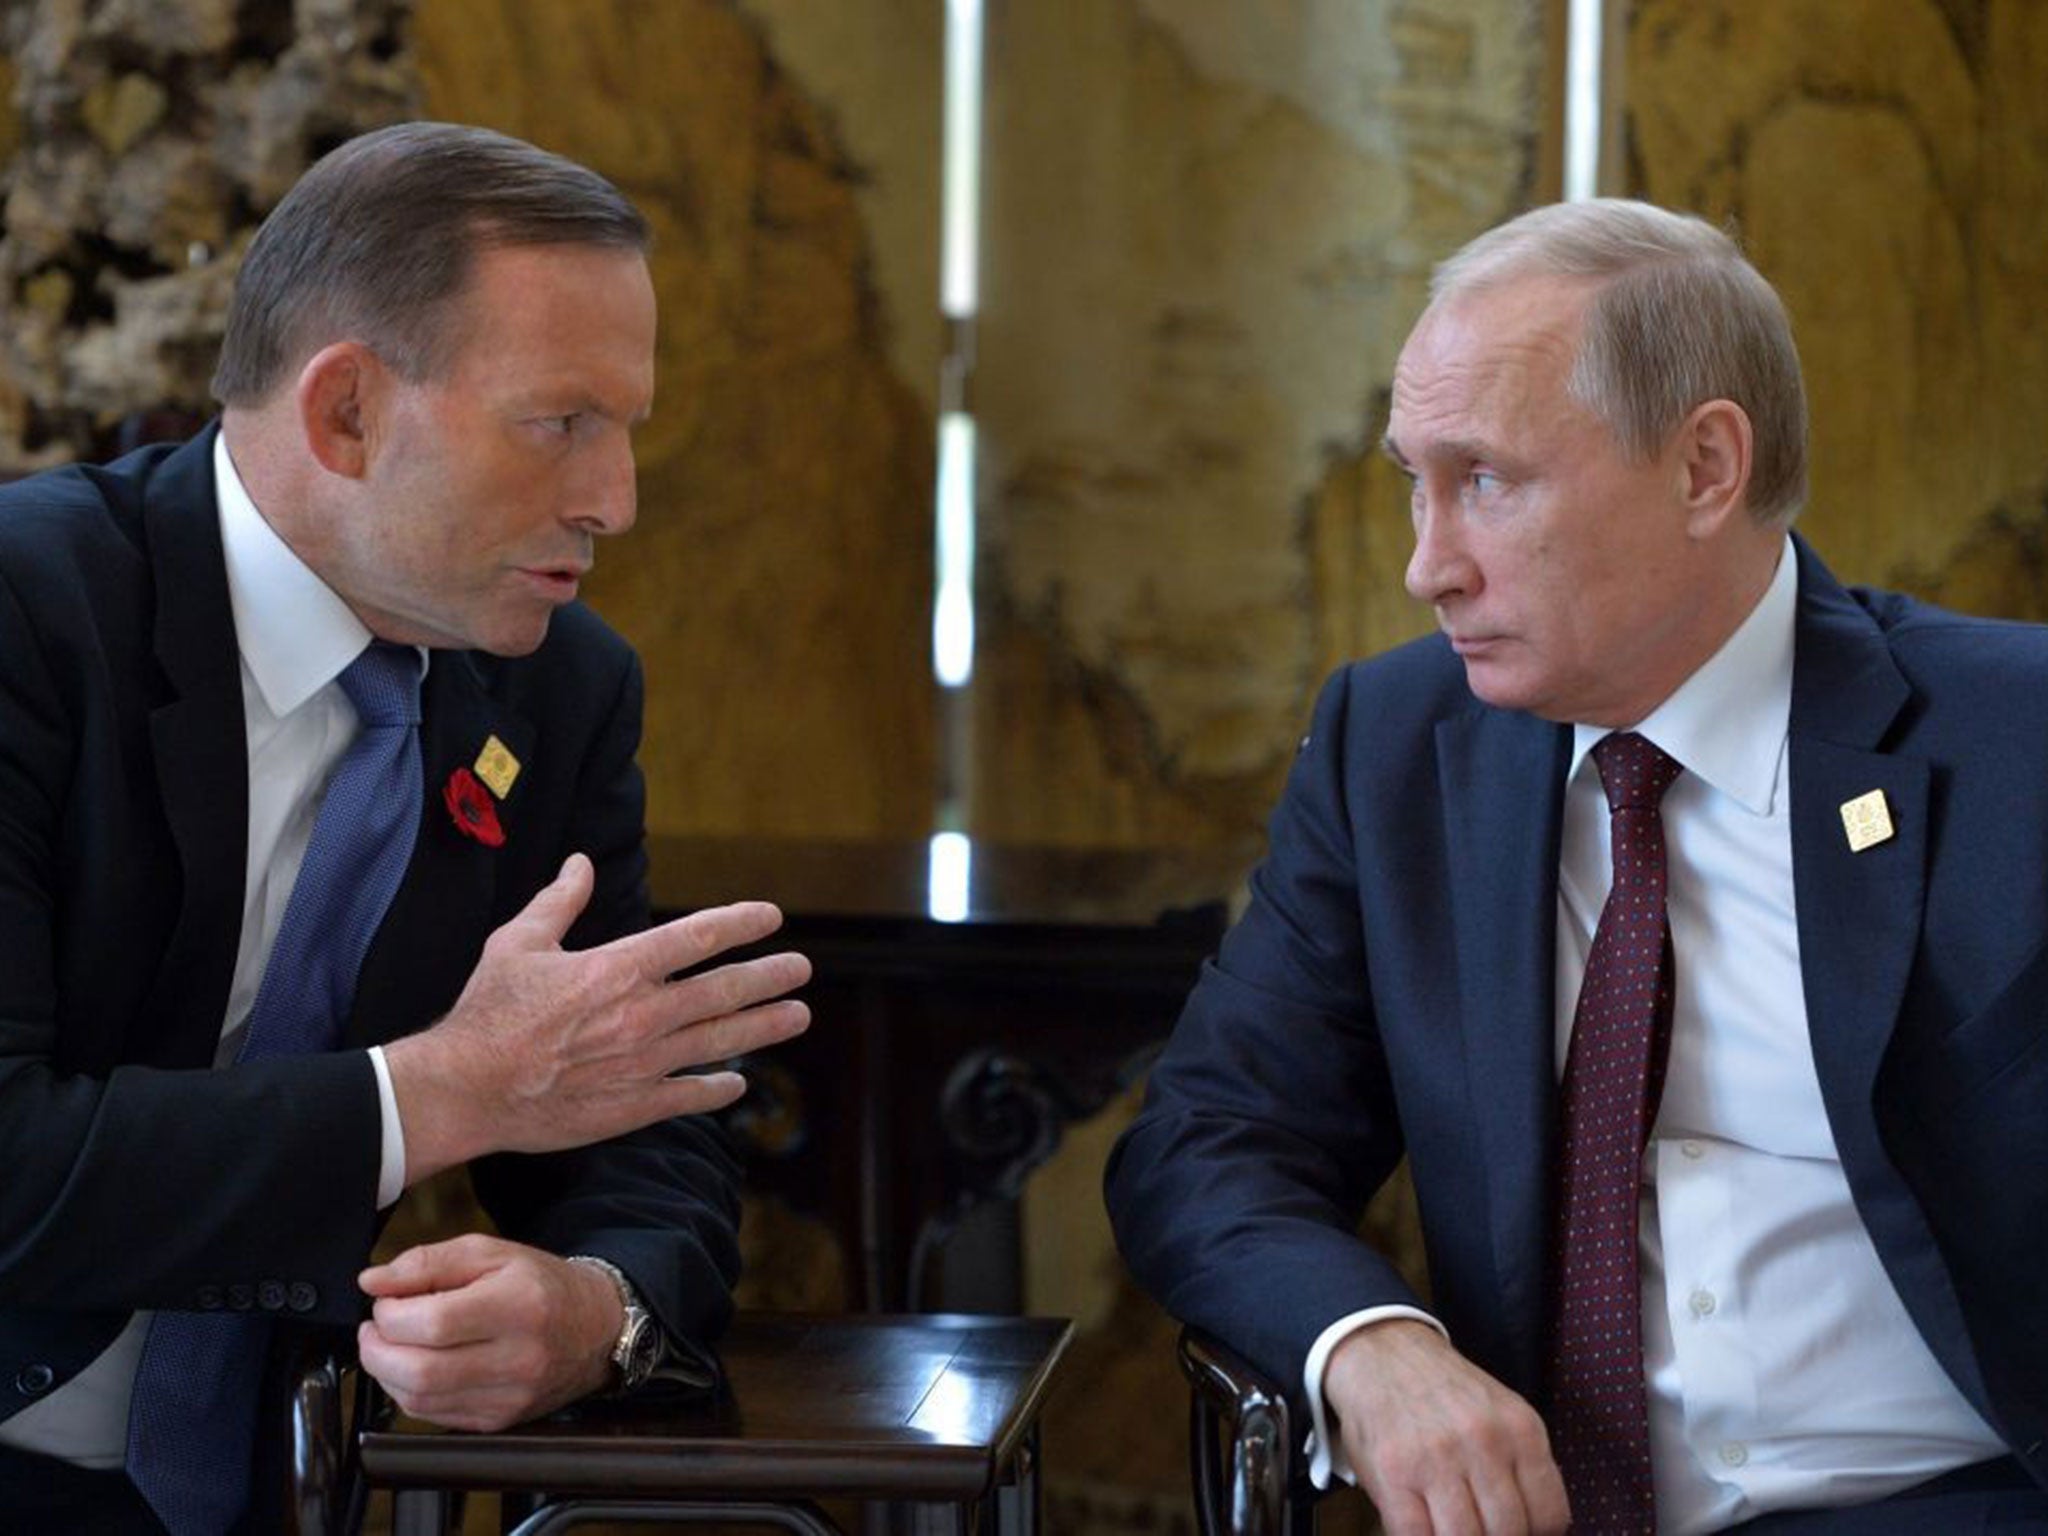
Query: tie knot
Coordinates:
[384,684]
[1634,771]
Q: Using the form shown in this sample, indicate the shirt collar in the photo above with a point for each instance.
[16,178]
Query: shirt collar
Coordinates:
[1726,723]
[296,634]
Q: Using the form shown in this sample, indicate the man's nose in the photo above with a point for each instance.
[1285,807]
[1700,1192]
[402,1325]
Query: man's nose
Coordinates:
[1441,567]
[609,499]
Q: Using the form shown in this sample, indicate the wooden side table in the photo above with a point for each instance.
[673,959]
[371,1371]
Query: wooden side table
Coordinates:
[950,1052]
[935,1414]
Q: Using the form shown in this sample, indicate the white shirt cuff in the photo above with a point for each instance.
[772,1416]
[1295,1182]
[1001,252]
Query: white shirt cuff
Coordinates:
[391,1160]
[1326,1459]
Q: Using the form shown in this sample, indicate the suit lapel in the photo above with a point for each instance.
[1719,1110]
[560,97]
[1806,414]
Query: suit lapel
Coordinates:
[1859,918]
[1502,781]
[1858,913]
[442,913]
[198,738]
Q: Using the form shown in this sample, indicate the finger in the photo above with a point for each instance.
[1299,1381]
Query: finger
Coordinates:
[1497,1498]
[737,1034]
[442,1321]
[1543,1494]
[1401,1513]
[429,1383]
[700,1093]
[730,988]
[434,1267]
[1452,1512]
[688,941]
[547,919]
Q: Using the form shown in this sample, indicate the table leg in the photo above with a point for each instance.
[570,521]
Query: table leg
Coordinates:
[1027,1513]
[419,1512]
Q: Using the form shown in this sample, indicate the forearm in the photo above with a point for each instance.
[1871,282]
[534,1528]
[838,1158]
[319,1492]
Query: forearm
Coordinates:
[204,1178]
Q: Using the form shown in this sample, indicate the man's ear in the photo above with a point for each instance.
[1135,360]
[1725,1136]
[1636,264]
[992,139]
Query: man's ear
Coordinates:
[336,397]
[1715,445]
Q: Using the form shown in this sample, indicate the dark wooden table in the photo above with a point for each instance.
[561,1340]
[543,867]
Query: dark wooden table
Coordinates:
[957,1031]
[936,1413]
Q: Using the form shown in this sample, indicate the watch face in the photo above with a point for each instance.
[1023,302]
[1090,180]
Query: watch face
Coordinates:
[641,1352]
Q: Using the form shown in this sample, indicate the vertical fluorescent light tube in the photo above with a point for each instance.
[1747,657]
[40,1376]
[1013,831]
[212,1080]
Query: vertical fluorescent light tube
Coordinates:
[948,877]
[959,278]
[960,217]
[1582,101]
[953,613]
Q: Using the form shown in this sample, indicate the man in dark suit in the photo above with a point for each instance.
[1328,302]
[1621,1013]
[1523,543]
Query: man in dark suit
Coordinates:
[1812,1304]
[439,344]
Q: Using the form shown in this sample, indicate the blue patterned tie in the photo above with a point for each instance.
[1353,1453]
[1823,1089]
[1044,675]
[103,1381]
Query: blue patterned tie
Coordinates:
[1613,1078]
[192,1420]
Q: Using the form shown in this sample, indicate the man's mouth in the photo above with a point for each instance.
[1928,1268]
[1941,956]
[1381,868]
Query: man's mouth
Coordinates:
[558,581]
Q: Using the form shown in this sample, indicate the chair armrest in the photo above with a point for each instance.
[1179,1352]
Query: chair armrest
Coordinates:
[325,1492]
[1240,1445]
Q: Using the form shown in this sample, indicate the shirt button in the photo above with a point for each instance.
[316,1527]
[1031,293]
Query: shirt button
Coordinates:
[300,1296]
[1734,1454]
[1702,1303]
[270,1295]
[211,1298]
[241,1297]
[1692,1149]
[34,1380]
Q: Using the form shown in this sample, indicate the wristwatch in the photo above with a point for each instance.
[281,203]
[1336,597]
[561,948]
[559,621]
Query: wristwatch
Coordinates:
[640,1345]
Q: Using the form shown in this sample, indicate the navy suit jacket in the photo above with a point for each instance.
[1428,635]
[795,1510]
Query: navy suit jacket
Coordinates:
[1389,991]
[131,1176]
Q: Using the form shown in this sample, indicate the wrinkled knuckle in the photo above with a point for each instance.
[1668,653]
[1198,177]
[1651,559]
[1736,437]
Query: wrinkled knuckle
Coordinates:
[428,1329]
[728,992]
[1403,1463]
[1525,1429]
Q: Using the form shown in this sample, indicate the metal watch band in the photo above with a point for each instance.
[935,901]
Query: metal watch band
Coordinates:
[639,1347]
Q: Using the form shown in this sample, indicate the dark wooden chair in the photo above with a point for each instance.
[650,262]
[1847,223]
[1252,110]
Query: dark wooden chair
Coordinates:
[1243,1447]
[937,1413]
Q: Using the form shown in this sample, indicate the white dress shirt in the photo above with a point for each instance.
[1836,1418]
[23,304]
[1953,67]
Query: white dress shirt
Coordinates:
[1783,1369]
[296,636]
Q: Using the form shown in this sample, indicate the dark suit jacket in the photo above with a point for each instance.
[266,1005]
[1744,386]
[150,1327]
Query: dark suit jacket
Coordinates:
[133,1177]
[1389,990]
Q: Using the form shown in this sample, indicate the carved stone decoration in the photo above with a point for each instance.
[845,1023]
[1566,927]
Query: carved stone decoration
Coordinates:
[150,138]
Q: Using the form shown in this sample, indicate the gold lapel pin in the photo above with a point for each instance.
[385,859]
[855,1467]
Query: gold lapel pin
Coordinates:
[497,767]
[1867,820]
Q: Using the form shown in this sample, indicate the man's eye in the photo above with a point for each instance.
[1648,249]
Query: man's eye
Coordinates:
[561,426]
[1482,482]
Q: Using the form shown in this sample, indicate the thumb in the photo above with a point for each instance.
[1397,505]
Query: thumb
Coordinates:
[547,919]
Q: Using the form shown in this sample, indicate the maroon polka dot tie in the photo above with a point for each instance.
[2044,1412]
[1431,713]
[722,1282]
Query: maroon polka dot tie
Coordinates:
[1613,1077]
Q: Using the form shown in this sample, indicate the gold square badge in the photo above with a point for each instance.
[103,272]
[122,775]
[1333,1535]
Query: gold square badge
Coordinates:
[497,767]
[1868,820]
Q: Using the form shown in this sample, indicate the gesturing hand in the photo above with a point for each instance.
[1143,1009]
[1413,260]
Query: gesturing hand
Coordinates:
[548,1049]
[1440,1447]
[478,1333]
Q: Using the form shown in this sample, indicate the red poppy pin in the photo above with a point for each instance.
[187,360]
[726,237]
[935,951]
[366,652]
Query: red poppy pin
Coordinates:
[475,813]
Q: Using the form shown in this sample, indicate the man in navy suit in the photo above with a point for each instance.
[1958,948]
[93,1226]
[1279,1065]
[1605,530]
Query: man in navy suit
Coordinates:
[1834,1320]
[439,345]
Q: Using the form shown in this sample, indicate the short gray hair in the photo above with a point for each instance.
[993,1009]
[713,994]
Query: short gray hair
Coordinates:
[376,242]
[1680,317]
